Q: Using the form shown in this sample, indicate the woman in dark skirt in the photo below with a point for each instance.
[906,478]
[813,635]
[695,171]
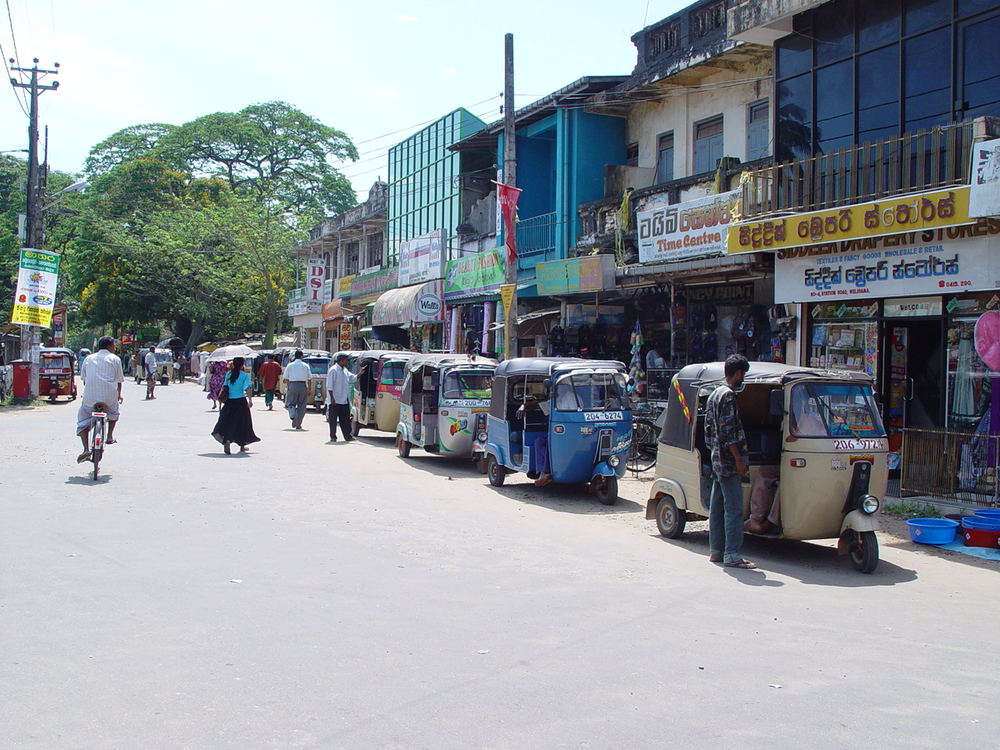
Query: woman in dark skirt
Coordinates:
[235,424]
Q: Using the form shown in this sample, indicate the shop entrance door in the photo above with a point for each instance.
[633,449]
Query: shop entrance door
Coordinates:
[914,376]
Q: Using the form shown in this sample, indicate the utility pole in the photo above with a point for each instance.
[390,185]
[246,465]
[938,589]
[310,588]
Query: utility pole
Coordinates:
[34,226]
[510,178]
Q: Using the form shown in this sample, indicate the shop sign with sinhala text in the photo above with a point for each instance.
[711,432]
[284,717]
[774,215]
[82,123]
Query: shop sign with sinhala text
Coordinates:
[35,296]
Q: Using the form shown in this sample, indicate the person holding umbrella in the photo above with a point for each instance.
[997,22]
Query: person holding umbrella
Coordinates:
[235,423]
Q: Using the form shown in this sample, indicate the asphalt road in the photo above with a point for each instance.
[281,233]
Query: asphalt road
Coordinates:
[336,596]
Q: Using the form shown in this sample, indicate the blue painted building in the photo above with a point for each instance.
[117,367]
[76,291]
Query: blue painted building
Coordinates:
[562,151]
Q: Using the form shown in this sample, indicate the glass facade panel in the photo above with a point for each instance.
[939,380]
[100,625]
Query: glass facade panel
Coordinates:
[835,107]
[967,7]
[794,118]
[927,92]
[878,23]
[878,94]
[920,15]
[793,54]
[981,72]
[834,33]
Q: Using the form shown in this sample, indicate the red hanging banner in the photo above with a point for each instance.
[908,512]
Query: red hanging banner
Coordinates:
[507,197]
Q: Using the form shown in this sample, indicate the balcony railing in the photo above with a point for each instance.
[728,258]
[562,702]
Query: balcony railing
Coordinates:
[536,235]
[916,161]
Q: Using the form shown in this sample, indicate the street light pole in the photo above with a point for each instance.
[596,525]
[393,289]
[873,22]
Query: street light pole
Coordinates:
[510,178]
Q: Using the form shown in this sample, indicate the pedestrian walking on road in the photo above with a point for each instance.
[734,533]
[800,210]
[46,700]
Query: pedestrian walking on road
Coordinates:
[269,374]
[102,377]
[296,377]
[338,381]
[149,367]
[727,441]
[235,423]
[216,376]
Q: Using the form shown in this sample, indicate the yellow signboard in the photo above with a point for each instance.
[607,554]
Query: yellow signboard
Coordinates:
[506,295]
[895,215]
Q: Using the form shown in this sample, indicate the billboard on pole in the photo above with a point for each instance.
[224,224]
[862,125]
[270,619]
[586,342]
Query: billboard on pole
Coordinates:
[35,296]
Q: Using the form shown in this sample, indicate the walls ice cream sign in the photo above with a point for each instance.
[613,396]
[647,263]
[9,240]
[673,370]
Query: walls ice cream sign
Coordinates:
[35,296]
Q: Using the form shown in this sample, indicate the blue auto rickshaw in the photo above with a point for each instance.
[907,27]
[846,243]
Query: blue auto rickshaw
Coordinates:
[572,414]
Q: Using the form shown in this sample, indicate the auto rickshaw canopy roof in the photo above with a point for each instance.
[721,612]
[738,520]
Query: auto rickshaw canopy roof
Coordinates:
[548,366]
[376,354]
[447,360]
[766,372]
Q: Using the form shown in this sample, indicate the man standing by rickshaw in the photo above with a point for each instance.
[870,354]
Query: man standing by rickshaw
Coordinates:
[149,367]
[727,441]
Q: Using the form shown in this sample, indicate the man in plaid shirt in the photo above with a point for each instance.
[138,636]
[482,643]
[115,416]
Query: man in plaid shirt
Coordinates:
[725,438]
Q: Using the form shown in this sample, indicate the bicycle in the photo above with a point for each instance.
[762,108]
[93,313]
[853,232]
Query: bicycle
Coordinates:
[98,433]
[642,454]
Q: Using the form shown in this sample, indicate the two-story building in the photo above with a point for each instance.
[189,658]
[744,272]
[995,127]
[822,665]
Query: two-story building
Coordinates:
[884,132]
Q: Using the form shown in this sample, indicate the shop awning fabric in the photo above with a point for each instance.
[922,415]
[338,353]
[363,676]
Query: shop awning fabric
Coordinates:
[420,303]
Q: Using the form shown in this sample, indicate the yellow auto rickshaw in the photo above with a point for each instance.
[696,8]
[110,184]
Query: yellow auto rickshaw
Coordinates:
[817,455]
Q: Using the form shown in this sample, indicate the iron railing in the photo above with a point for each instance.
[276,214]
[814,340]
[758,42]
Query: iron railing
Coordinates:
[951,465]
[537,234]
[924,160]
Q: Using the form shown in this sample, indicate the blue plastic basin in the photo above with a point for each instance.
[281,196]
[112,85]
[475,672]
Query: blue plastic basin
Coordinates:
[932,530]
[989,513]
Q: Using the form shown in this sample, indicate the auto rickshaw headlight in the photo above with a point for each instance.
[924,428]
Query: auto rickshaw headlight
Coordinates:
[614,461]
[481,436]
[868,504]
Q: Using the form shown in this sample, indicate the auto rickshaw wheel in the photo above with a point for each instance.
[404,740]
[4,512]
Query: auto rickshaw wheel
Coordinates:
[669,520]
[864,551]
[403,446]
[495,471]
[606,489]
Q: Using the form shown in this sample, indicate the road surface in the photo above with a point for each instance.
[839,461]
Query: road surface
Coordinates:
[311,595]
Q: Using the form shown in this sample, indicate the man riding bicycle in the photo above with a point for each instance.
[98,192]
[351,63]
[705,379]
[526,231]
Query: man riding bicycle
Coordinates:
[102,384]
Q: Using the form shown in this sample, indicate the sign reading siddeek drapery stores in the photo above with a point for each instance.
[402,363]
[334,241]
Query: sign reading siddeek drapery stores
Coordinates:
[685,230]
[36,288]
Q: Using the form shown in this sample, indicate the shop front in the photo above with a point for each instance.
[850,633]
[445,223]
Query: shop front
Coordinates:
[411,317]
[572,315]
[472,294]
[919,311]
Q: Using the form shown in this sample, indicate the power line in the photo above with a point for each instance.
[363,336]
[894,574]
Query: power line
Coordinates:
[17,98]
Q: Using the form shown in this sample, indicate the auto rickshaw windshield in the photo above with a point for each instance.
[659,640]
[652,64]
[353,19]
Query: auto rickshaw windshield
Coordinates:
[459,384]
[834,410]
[393,373]
[318,366]
[591,391]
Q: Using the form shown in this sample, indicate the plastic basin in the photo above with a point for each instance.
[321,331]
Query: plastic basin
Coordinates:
[981,532]
[989,513]
[932,530]
[981,522]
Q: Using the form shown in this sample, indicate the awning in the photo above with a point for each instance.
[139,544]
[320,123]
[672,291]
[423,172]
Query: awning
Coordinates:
[335,312]
[420,303]
[535,315]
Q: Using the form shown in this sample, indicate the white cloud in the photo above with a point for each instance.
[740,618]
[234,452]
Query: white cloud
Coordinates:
[403,18]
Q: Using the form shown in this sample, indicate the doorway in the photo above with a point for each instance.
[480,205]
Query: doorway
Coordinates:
[913,384]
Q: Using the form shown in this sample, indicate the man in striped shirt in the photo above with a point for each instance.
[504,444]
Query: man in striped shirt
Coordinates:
[102,384]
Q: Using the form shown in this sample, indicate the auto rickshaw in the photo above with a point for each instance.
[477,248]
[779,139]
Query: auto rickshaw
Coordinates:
[164,364]
[817,454]
[56,373]
[580,407]
[319,364]
[375,395]
[443,406]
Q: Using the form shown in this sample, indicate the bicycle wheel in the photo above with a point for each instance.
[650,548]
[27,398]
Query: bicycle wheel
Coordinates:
[97,445]
[642,455]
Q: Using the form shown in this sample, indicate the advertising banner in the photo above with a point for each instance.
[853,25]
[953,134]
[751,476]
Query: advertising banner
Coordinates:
[902,213]
[367,287]
[906,265]
[593,273]
[984,194]
[686,230]
[344,286]
[314,284]
[35,296]
[474,274]
[421,259]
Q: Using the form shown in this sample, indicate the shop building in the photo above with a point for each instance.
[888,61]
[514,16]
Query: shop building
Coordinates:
[338,249]
[881,110]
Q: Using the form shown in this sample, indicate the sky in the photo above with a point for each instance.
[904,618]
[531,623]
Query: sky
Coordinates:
[376,70]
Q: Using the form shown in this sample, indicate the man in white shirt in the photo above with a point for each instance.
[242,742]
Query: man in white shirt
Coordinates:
[149,365]
[338,381]
[296,377]
[102,377]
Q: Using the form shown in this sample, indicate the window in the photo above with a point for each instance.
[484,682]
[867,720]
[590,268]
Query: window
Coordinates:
[707,20]
[835,108]
[632,155]
[352,258]
[981,72]
[707,145]
[665,158]
[834,410]
[758,131]
[878,99]
[927,92]
[664,40]
[591,392]
[374,254]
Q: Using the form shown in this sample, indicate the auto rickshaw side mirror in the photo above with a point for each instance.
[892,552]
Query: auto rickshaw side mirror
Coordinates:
[777,403]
